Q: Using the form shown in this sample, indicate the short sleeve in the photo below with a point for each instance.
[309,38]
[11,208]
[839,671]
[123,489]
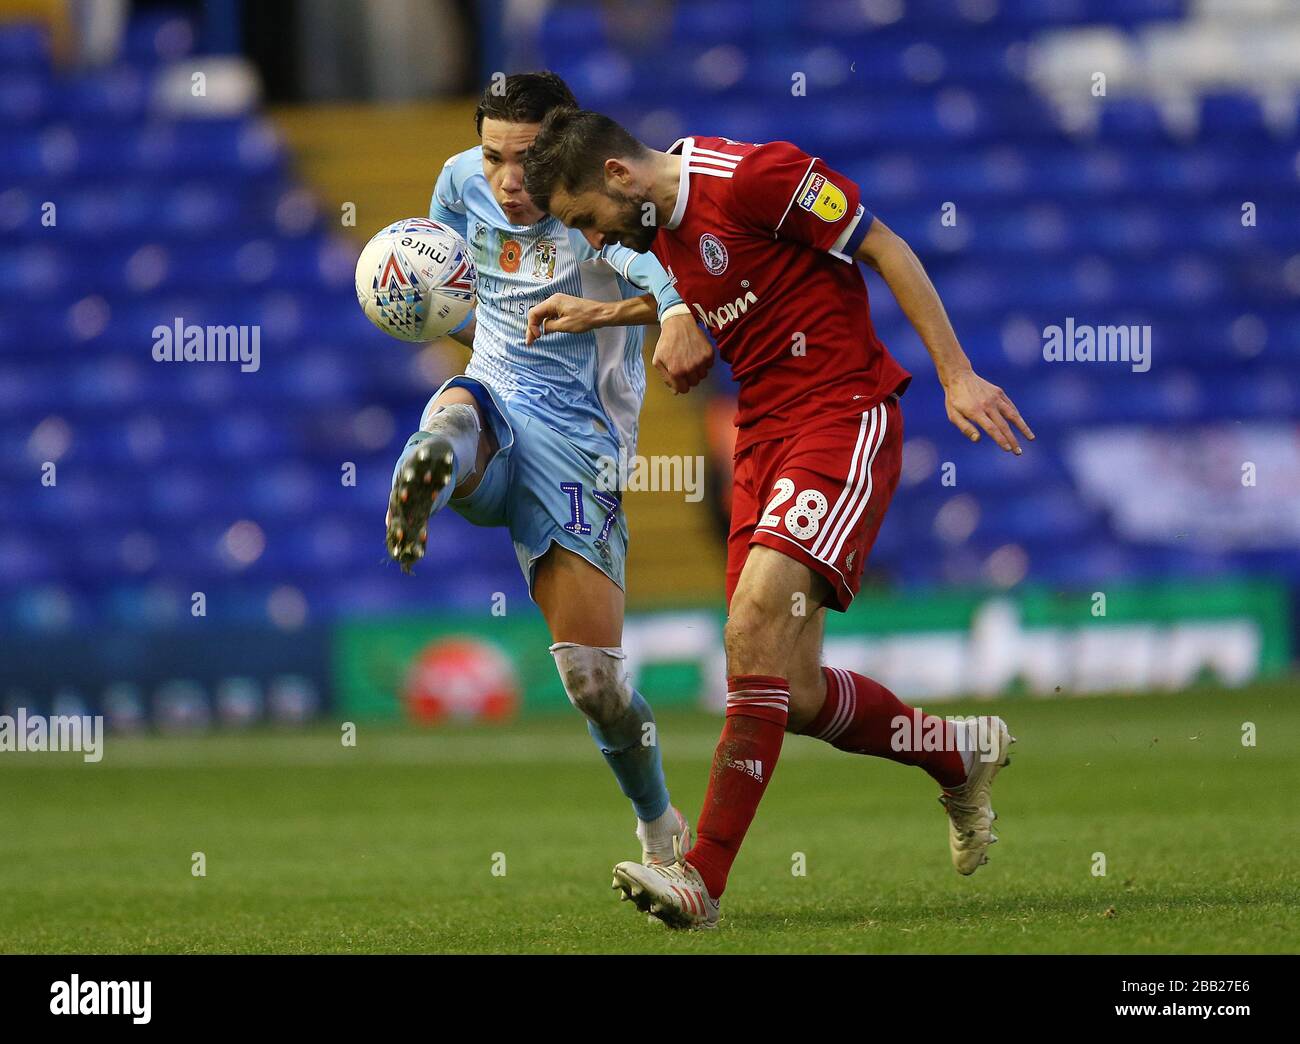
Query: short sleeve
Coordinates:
[783,192]
[446,205]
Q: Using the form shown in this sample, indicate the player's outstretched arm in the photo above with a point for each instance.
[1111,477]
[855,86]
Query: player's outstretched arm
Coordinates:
[970,399]
[683,355]
[564,313]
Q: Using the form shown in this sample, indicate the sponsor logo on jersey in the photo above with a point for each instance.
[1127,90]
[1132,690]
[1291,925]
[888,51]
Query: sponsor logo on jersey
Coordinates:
[848,561]
[544,254]
[823,198]
[713,254]
[727,313]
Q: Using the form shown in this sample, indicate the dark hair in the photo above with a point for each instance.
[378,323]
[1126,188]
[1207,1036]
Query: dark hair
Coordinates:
[523,98]
[570,151]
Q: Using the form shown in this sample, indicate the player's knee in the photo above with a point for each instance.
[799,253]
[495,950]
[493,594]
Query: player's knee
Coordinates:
[594,680]
[457,405]
[462,424]
[456,419]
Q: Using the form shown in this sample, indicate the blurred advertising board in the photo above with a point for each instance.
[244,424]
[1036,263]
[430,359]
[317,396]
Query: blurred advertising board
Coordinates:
[932,647]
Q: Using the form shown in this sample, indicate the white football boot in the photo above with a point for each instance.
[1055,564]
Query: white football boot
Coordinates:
[673,893]
[970,814]
[681,840]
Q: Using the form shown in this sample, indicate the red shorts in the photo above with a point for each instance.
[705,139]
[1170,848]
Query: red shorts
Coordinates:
[818,496]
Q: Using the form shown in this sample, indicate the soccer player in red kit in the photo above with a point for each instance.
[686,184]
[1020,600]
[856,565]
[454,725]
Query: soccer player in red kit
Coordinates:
[762,241]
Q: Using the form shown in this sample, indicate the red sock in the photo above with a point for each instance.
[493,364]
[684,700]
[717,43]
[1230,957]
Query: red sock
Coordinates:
[758,708]
[860,716]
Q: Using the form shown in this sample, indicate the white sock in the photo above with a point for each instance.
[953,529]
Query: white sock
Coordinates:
[656,836]
[458,423]
[970,749]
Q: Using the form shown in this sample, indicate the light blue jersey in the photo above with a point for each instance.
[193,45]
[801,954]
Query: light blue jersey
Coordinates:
[589,386]
[564,406]
[561,410]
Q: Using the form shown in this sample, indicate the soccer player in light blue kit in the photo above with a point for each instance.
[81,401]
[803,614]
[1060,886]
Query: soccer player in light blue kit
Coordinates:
[519,439]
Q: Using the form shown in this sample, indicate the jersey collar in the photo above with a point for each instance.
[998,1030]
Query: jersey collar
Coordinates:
[684,146]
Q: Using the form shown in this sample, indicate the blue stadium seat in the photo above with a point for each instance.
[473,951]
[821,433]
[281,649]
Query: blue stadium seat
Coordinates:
[921,103]
[24,46]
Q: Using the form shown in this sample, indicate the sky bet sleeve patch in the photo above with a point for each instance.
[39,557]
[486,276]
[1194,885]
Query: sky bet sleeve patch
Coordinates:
[823,198]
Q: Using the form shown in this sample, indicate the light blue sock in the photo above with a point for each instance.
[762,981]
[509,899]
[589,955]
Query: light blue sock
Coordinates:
[632,752]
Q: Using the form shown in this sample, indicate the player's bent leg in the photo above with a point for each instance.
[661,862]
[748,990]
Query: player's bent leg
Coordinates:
[584,610]
[807,676]
[456,422]
[445,457]
[769,611]
[860,716]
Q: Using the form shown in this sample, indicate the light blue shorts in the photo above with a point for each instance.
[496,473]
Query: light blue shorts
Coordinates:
[544,488]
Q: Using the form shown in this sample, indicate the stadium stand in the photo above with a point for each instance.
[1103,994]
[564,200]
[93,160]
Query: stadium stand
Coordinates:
[174,478]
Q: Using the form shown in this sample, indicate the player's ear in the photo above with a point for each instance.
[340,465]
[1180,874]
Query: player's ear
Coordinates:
[617,172]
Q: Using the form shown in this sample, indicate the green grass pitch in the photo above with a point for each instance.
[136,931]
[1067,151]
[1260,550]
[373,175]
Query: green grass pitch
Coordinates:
[390,846]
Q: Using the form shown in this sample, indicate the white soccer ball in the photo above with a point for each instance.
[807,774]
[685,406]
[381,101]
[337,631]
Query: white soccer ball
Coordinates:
[415,280]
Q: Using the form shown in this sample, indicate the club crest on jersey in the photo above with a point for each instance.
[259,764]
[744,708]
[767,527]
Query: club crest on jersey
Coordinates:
[544,259]
[713,254]
[823,198]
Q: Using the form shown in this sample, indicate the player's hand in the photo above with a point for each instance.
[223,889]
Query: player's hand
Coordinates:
[683,355]
[972,400]
[564,313]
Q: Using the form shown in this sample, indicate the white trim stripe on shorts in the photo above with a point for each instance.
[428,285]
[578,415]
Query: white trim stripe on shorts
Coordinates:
[857,487]
[865,499]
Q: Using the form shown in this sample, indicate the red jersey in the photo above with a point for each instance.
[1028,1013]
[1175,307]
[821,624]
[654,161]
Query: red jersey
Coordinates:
[760,245]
